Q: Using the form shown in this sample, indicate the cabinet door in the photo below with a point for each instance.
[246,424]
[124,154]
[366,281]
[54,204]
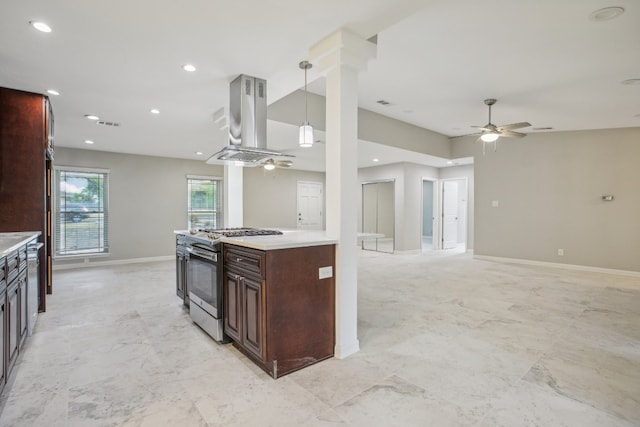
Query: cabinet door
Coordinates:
[22,298]
[180,272]
[232,306]
[12,325]
[252,337]
[3,321]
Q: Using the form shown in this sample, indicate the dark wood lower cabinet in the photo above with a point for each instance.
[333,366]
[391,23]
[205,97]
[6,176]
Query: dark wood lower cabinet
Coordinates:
[13,325]
[13,310]
[278,311]
[252,336]
[3,346]
[232,290]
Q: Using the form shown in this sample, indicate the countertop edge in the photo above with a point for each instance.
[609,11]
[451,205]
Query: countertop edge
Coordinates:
[24,237]
[277,245]
[267,243]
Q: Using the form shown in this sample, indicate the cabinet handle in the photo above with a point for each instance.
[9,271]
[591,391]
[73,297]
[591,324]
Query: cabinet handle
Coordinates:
[239,259]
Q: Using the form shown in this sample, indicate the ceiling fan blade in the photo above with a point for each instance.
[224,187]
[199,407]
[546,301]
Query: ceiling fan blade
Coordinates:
[284,163]
[512,134]
[513,126]
[483,128]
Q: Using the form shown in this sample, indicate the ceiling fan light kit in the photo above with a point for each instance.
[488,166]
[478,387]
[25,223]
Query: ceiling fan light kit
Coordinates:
[305,138]
[491,133]
[269,165]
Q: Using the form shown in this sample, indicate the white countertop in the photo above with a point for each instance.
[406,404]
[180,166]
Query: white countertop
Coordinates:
[12,241]
[288,239]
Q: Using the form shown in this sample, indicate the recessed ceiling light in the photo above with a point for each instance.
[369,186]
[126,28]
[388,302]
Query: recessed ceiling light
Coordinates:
[376,160]
[189,67]
[92,117]
[154,111]
[53,92]
[88,141]
[199,153]
[631,82]
[606,13]
[40,26]
[449,162]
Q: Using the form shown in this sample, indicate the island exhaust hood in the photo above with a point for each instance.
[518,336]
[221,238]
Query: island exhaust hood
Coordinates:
[247,124]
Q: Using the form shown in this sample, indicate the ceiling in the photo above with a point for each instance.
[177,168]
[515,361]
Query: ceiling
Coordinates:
[545,61]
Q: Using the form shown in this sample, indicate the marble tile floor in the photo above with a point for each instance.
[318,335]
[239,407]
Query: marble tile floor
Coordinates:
[446,340]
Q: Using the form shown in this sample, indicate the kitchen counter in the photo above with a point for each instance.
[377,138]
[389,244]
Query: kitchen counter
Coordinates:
[12,241]
[288,239]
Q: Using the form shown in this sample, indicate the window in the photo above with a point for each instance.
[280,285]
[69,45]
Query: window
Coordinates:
[204,204]
[81,211]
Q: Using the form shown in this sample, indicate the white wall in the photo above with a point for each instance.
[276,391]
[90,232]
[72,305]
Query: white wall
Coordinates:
[549,189]
[372,126]
[147,199]
[270,197]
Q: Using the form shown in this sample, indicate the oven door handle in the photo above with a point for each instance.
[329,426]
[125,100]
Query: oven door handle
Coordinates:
[211,256]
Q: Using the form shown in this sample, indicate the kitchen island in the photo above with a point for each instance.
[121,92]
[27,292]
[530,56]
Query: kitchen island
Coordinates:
[278,298]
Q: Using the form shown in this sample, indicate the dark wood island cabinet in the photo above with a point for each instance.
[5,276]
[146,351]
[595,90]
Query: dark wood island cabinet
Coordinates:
[278,311]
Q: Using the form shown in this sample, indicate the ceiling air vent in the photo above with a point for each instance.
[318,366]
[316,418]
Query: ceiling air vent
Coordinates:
[383,102]
[105,123]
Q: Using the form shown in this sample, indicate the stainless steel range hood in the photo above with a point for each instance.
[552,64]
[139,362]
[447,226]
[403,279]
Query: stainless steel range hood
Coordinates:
[247,124]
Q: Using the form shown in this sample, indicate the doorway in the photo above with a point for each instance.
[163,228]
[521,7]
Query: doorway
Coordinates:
[309,205]
[454,214]
[428,215]
[378,216]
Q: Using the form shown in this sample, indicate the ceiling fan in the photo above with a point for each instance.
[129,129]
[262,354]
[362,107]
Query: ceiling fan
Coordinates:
[491,132]
[271,164]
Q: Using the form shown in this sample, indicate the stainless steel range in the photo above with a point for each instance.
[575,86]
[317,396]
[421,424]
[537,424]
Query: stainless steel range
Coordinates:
[204,274]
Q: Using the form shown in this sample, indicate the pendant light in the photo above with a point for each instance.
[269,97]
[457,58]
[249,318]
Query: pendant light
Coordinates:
[306,130]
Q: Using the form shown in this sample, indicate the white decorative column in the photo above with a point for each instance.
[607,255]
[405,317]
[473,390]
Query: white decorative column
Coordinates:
[340,57]
[232,196]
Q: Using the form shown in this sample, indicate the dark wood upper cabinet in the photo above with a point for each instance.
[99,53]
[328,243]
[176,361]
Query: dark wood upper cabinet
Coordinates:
[26,159]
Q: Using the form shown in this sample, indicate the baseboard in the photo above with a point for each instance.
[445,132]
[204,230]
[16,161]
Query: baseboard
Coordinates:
[111,262]
[342,352]
[559,265]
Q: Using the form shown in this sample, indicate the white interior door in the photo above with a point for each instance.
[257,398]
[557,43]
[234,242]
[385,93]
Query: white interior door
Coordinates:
[449,214]
[309,205]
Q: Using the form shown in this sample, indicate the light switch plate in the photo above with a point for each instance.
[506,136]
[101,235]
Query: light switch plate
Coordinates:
[495,203]
[325,272]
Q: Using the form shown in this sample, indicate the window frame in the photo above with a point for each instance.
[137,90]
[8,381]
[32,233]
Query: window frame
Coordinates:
[104,249]
[218,214]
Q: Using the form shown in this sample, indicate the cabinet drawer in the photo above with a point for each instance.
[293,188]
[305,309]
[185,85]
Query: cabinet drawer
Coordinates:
[245,260]
[13,264]
[22,258]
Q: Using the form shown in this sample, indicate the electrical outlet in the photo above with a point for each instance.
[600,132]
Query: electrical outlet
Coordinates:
[325,272]
[560,252]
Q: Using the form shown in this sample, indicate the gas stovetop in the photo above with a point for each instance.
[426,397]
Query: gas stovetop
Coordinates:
[238,232]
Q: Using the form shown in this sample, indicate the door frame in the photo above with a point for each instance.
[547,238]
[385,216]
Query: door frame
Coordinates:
[436,243]
[466,209]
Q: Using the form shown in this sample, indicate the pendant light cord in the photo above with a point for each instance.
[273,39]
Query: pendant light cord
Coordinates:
[306,101]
